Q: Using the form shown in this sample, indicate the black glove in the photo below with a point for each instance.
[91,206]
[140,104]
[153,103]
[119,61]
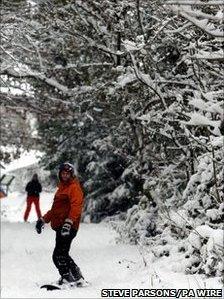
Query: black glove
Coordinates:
[40,225]
[66,228]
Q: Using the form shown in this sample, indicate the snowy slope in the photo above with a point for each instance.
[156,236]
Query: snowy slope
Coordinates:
[26,259]
[13,206]
[28,262]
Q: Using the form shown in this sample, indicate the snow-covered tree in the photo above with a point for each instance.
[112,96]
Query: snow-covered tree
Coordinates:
[189,182]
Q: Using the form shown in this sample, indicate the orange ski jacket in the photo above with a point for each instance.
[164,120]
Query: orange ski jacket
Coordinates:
[67,204]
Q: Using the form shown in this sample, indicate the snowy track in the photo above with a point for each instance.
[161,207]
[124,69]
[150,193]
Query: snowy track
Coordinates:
[26,261]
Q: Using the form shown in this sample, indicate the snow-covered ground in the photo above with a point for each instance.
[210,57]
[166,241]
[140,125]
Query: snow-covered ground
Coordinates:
[26,259]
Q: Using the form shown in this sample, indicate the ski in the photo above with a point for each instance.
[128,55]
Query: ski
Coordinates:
[50,287]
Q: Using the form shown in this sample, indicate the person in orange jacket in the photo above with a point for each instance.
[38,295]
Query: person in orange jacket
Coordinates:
[64,217]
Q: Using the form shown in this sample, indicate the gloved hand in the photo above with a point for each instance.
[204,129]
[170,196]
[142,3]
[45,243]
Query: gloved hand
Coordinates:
[66,228]
[40,225]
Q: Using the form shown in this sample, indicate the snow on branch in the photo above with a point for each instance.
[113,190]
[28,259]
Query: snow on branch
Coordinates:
[195,2]
[30,74]
[146,80]
[203,24]
[199,18]
[50,81]
[196,119]
[216,55]
[218,17]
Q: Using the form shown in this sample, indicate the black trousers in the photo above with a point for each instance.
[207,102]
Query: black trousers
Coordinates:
[61,258]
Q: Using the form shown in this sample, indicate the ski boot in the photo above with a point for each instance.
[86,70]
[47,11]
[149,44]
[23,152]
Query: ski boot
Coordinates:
[67,279]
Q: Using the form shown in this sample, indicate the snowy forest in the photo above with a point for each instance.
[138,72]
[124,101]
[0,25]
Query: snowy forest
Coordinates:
[131,92]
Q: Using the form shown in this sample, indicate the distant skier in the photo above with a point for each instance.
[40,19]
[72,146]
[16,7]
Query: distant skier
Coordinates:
[33,189]
[64,217]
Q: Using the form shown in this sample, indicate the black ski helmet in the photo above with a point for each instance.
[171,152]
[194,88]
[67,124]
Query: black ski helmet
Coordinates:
[68,167]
